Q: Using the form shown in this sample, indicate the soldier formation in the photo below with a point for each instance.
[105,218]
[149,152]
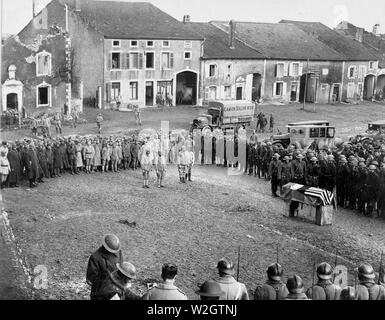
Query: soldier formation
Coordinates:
[35,159]
[354,171]
[111,278]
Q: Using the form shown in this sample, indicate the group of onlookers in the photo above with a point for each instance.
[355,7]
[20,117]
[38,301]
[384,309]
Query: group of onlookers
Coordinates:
[112,278]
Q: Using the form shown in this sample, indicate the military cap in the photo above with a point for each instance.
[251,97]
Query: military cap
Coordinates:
[365,270]
[324,271]
[127,269]
[295,284]
[226,266]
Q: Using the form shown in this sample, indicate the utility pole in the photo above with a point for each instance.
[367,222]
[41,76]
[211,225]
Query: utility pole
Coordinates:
[306,80]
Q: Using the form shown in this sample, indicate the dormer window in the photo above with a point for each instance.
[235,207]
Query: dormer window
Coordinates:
[43,64]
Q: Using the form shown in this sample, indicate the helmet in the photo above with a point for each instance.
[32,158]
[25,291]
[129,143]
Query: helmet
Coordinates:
[277,156]
[295,284]
[210,288]
[324,271]
[330,157]
[372,167]
[111,243]
[314,159]
[362,165]
[127,269]
[349,293]
[286,158]
[375,163]
[274,271]
[365,270]
[226,266]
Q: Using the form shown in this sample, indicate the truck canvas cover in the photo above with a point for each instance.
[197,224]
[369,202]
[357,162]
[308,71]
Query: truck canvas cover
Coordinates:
[237,108]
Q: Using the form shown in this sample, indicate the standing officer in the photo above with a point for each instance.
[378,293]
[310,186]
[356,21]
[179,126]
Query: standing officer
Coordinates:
[324,289]
[102,262]
[274,288]
[274,168]
[233,290]
[167,289]
[368,289]
[312,173]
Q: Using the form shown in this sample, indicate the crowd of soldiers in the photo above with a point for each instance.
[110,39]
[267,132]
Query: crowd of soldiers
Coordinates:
[37,159]
[355,172]
[112,278]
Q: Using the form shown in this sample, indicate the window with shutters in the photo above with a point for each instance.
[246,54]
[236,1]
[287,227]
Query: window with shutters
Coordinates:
[133,93]
[167,60]
[150,60]
[280,70]
[361,72]
[295,69]
[43,63]
[213,68]
[134,60]
[115,60]
[351,72]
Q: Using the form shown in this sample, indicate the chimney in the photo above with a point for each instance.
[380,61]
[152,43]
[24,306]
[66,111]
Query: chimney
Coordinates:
[33,9]
[186,18]
[359,34]
[77,5]
[376,29]
[232,25]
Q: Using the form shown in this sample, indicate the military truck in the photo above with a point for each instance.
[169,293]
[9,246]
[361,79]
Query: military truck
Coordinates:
[226,114]
[307,134]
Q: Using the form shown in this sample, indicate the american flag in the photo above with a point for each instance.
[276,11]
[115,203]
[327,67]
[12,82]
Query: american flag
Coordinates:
[325,196]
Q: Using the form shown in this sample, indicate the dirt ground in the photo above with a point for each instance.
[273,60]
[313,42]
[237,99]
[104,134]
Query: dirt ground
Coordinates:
[60,223]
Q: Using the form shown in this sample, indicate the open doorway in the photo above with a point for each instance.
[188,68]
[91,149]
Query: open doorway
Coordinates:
[369,87]
[257,86]
[149,93]
[12,102]
[186,88]
[308,87]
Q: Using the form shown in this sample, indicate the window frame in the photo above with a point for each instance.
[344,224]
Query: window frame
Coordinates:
[354,72]
[119,45]
[43,53]
[283,70]
[163,41]
[184,55]
[371,67]
[134,46]
[215,72]
[169,60]
[45,85]
[150,46]
[229,96]
[134,52]
[120,60]
[137,90]
[292,69]
[112,82]
[145,63]
[276,88]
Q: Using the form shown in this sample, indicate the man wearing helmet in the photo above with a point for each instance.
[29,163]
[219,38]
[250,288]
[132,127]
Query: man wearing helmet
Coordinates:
[296,289]
[343,172]
[367,288]
[102,262]
[210,290]
[312,172]
[371,189]
[274,168]
[274,288]
[284,172]
[324,289]
[118,283]
[233,290]
[348,293]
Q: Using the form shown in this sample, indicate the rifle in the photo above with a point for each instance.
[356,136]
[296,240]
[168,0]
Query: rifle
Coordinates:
[277,253]
[380,273]
[335,264]
[312,286]
[239,256]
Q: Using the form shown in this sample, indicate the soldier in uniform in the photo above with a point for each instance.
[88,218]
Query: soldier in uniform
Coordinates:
[298,168]
[102,262]
[99,122]
[274,168]
[126,154]
[32,165]
[343,172]
[15,164]
[210,290]
[352,185]
[284,173]
[267,157]
[135,154]
[167,289]
[361,197]
[233,290]
[71,150]
[371,189]
[183,160]
[324,289]
[348,293]
[312,173]
[328,173]
[296,289]
[367,288]
[116,285]
[274,288]
[380,197]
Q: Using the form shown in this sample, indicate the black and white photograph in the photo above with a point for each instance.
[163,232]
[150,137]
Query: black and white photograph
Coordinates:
[192,150]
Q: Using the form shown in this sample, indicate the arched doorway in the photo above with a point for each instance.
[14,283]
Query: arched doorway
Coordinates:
[186,88]
[257,86]
[308,84]
[381,85]
[369,87]
[12,101]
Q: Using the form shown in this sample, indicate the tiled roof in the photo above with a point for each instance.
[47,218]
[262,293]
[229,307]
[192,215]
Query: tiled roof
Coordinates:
[216,44]
[350,49]
[132,20]
[281,41]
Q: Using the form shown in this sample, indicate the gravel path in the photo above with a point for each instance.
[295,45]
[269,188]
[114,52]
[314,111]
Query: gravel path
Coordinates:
[193,225]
